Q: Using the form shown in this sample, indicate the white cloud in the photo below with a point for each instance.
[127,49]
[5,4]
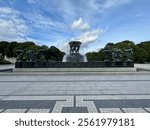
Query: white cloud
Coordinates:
[31,1]
[79,24]
[12,27]
[39,20]
[89,37]
[60,8]
[63,45]
[111,3]
[43,23]
[7,11]
[101,6]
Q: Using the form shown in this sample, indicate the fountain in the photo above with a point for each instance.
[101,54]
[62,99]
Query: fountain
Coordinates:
[113,58]
[74,55]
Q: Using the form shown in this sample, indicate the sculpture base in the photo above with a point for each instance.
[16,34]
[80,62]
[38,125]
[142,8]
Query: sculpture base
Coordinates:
[73,70]
[108,63]
[118,63]
[71,64]
[75,57]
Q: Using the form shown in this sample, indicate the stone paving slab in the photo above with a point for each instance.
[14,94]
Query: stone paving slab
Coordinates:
[148,109]
[14,111]
[133,110]
[76,104]
[71,78]
[110,110]
[65,88]
[145,67]
[38,111]
[111,92]
[7,66]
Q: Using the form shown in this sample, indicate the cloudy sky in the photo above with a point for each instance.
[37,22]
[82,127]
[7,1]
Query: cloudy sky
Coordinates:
[93,22]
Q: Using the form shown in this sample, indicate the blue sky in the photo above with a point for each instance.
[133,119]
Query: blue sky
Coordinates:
[93,22]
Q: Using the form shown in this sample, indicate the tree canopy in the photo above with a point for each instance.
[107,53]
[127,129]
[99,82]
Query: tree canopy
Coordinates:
[9,49]
[141,51]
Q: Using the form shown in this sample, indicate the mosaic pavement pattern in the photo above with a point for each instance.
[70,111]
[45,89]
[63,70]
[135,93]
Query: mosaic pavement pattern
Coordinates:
[76,104]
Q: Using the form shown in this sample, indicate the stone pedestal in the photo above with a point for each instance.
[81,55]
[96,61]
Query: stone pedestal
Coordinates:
[129,63]
[117,64]
[107,63]
[75,57]
[47,64]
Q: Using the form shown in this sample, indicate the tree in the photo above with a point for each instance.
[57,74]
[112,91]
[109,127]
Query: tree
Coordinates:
[10,49]
[141,51]
[124,45]
[146,47]
[140,55]
[93,56]
[44,47]
[109,45]
[54,54]
[3,48]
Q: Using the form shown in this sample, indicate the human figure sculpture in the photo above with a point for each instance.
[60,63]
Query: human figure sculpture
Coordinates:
[31,55]
[117,55]
[20,55]
[107,54]
[129,53]
[74,46]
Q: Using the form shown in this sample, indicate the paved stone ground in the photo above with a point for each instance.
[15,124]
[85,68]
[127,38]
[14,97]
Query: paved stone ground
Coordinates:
[66,104]
[142,66]
[103,92]
[8,67]
[106,92]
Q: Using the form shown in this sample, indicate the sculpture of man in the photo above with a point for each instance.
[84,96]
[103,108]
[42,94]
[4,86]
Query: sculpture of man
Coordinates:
[117,55]
[129,54]
[74,46]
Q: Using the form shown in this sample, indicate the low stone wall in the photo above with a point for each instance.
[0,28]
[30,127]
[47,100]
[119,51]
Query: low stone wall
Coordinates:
[72,64]
[142,67]
[74,70]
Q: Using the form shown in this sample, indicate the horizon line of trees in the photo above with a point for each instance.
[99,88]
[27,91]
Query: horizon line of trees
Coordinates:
[9,49]
[141,51]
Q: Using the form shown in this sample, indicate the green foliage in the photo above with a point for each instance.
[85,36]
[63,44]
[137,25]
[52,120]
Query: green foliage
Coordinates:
[9,48]
[124,45]
[43,47]
[141,51]
[27,46]
[54,54]
[140,55]
[101,55]
[146,47]
[3,48]
[92,56]
[109,45]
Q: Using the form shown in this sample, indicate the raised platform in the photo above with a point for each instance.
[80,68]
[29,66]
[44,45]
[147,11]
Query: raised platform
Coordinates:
[47,64]
[76,70]
[74,67]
